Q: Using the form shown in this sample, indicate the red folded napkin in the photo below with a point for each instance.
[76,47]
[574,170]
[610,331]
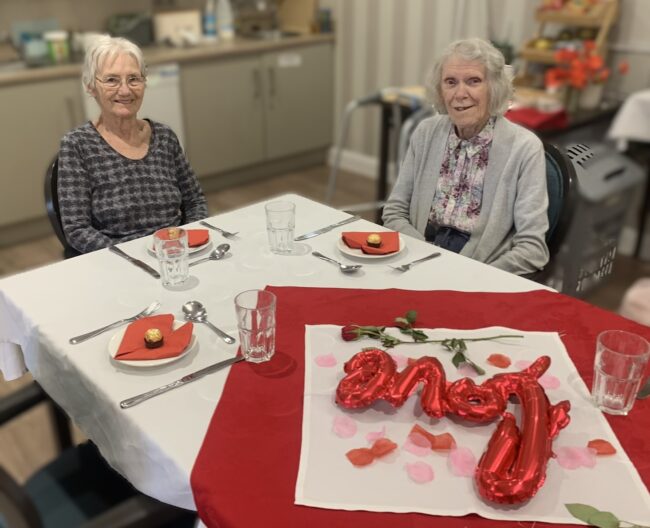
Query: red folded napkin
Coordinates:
[357,240]
[132,347]
[197,237]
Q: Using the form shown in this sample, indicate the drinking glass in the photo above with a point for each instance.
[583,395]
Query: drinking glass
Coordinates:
[172,252]
[280,224]
[256,323]
[621,360]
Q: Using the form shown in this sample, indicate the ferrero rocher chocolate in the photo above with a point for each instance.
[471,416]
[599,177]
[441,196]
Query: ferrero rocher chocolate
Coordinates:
[153,338]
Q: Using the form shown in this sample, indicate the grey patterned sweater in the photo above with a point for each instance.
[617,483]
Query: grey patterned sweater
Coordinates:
[106,198]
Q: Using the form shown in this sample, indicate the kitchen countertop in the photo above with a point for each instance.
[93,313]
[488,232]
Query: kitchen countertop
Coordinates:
[16,73]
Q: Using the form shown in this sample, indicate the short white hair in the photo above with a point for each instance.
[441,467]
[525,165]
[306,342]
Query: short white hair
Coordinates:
[104,47]
[498,75]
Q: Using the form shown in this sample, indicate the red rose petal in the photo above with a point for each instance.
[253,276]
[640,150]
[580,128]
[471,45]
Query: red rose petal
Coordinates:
[602,447]
[360,457]
[443,442]
[499,360]
[382,447]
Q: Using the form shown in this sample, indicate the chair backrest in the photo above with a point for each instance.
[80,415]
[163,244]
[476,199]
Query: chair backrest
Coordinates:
[52,206]
[562,188]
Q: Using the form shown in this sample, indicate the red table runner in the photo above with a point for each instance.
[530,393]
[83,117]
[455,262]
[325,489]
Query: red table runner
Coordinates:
[245,473]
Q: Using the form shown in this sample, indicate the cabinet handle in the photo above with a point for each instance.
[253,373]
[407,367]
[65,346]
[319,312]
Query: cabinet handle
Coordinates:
[257,84]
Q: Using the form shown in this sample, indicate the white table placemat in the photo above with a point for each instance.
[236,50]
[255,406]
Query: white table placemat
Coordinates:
[326,478]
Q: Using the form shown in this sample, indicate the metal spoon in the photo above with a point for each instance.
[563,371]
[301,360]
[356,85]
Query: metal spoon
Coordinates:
[194,311]
[217,254]
[345,268]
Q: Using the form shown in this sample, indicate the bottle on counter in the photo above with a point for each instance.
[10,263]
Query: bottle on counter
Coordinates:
[225,20]
[210,20]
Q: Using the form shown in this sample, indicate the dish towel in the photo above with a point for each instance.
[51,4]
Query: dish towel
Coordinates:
[251,450]
[132,347]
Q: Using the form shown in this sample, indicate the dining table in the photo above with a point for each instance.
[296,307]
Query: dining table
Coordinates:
[229,444]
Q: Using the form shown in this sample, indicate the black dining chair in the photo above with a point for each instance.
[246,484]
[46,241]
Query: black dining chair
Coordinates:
[52,207]
[77,489]
[563,196]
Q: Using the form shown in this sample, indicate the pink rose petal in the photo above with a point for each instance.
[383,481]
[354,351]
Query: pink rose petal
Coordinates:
[467,371]
[574,457]
[419,472]
[400,361]
[326,360]
[344,427]
[376,435]
[462,462]
[419,440]
[549,382]
[414,448]
[523,364]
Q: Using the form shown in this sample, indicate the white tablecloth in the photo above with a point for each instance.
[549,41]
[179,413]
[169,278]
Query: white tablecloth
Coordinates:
[154,444]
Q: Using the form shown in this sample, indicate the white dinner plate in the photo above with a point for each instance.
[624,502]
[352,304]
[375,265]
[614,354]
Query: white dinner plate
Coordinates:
[357,253]
[116,339]
[192,250]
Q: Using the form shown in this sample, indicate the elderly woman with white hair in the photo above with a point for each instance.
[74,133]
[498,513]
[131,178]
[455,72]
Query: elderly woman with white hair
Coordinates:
[121,177]
[473,182]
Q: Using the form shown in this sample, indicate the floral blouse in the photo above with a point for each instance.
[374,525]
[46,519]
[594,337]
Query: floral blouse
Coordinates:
[459,193]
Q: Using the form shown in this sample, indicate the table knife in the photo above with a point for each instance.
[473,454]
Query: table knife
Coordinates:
[130,402]
[327,228]
[135,261]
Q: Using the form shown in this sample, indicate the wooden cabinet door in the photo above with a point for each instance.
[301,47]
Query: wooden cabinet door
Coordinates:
[299,99]
[223,114]
[34,118]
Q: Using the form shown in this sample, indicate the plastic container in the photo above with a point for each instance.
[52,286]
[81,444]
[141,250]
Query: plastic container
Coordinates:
[57,45]
[225,20]
[210,20]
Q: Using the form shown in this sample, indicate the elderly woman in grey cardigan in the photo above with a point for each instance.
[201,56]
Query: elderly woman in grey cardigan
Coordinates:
[473,182]
[121,177]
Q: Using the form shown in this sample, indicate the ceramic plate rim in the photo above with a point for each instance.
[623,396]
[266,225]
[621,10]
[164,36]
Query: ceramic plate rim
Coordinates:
[191,251]
[116,338]
[357,253]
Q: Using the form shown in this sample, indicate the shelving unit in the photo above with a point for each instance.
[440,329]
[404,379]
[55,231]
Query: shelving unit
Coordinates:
[601,17]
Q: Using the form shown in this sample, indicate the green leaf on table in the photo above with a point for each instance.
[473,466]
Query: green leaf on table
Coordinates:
[419,335]
[581,511]
[592,516]
[411,316]
[604,520]
[458,359]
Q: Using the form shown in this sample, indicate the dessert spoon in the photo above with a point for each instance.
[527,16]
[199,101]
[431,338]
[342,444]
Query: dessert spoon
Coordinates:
[194,311]
[345,268]
[217,254]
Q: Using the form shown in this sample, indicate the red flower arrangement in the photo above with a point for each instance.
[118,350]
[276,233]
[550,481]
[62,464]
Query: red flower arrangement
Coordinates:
[577,68]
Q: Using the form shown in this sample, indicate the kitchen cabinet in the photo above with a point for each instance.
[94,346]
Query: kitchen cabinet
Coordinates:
[248,109]
[34,118]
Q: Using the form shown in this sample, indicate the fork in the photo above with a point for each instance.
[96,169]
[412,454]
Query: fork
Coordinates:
[144,313]
[227,234]
[406,267]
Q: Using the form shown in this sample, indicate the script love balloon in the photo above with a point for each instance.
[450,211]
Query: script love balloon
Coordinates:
[513,467]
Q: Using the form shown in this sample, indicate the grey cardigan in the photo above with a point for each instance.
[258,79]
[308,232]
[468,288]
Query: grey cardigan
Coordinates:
[510,230]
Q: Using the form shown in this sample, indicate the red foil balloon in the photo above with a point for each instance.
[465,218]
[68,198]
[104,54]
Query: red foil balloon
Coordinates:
[513,466]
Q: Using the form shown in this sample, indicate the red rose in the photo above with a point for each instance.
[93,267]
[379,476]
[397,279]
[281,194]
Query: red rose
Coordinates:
[350,333]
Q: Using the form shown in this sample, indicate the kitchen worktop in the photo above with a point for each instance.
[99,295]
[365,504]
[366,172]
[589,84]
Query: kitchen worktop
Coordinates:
[17,73]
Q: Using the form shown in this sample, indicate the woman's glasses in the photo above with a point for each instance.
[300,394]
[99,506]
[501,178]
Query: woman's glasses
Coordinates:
[113,81]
